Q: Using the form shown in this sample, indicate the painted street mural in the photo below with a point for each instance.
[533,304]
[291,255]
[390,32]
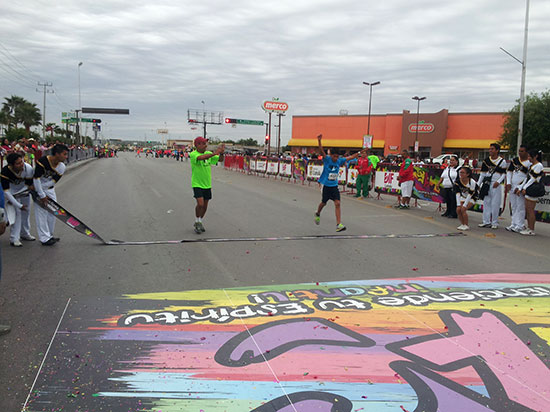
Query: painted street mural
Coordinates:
[473,343]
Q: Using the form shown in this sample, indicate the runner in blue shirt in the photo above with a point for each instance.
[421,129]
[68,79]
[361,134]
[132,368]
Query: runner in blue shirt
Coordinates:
[329,180]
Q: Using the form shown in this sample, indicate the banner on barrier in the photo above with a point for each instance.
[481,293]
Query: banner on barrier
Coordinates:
[285,168]
[352,176]
[342,175]
[272,167]
[261,166]
[426,184]
[314,170]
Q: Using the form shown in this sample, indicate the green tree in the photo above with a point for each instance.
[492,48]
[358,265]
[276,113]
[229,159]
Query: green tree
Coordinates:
[247,142]
[9,108]
[4,120]
[28,114]
[536,124]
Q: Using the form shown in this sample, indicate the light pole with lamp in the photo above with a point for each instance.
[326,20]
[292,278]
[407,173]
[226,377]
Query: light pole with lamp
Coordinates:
[370,100]
[79,109]
[523,70]
[418,99]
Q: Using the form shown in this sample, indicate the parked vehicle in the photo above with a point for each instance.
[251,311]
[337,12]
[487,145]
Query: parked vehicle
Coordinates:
[445,158]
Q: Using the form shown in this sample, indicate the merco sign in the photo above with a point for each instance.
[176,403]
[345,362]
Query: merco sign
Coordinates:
[422,127]
[270,106]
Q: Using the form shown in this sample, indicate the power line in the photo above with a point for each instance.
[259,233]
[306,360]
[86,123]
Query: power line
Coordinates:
[14,80]
[9,54]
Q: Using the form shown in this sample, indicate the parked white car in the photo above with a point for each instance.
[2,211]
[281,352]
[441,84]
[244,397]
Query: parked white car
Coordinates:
[441,158]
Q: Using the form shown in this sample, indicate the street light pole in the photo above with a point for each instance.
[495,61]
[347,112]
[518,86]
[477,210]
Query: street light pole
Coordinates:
[79,109]
[523,70]
[418,99]
[370,100]
[279,133]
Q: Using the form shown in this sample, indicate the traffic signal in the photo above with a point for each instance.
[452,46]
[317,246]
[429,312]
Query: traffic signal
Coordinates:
[96,120]
[228,120]
[267,139]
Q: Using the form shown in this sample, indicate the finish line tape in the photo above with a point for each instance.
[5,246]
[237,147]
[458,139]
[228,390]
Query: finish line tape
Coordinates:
[115,242]
[72,221]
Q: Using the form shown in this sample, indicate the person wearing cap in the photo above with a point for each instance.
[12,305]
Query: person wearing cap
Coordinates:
[201,177]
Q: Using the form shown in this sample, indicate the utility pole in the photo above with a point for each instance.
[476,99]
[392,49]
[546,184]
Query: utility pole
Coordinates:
[45,85]
[279,133]
[269,134]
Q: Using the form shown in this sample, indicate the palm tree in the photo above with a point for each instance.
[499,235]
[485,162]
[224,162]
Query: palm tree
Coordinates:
[28,114]
[4,121]
[58,130]
[10,106]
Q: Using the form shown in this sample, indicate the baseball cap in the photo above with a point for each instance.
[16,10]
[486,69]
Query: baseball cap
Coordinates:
[199,140]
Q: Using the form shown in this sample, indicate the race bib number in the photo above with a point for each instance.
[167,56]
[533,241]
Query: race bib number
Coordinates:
[332,176]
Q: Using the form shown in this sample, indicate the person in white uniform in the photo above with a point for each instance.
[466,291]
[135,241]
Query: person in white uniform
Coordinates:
[515,176]
[466,190]
[494,170]
[16,178]
[536,172]
[47,173]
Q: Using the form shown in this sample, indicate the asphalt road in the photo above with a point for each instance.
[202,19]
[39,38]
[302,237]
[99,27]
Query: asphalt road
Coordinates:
[150,199]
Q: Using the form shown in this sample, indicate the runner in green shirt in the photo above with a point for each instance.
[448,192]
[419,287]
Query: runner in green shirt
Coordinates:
[201,177]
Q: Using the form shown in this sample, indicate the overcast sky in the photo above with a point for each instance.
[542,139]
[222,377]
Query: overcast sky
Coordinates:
[161,58]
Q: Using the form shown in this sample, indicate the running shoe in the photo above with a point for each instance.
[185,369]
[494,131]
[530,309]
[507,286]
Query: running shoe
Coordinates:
[528,232]
[197,228]
[201,227]
[484,225]
[340,227]
[316,218]
[494,226]
[509,228]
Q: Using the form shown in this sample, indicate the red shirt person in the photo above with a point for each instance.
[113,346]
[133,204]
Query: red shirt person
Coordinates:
[364,170]
[406,180]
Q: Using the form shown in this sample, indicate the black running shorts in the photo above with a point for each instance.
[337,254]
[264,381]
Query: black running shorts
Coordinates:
[330,193]
[204,193]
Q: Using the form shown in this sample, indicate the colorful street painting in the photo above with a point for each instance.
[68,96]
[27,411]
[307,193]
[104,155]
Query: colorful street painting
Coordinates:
[473,343]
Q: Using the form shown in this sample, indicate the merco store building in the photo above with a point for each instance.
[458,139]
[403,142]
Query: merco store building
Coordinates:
[464,134]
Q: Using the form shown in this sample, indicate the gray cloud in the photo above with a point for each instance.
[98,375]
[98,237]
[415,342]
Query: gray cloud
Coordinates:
[160,58]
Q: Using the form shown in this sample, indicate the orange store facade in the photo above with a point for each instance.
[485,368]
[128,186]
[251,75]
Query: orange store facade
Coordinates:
[465,134]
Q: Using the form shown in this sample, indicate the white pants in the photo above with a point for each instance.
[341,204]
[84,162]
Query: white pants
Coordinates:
[45,221]
[406,188]
[491,205]
[22,220]
[517,203]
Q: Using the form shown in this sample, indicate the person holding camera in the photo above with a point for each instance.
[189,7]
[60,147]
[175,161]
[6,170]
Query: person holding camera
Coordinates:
[447,182]
[465,188]
[532,190]
[493,173]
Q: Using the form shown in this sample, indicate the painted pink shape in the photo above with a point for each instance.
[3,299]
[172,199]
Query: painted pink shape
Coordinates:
[73,222]
[488,337]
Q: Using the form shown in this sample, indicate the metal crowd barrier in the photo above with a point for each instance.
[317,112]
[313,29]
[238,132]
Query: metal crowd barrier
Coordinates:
[426,178]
